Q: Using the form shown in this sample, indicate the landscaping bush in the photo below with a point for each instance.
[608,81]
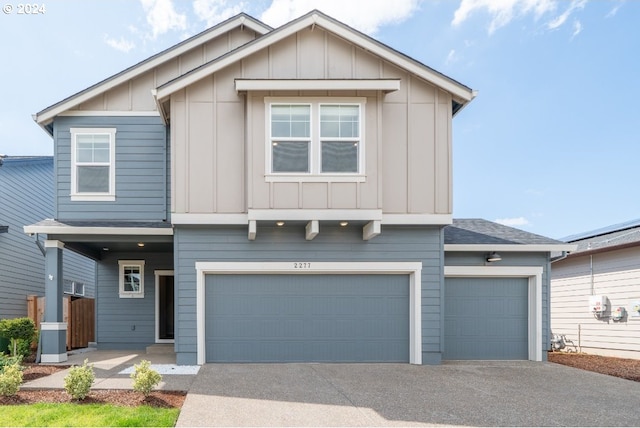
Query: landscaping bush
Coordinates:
[10,379]
[6,361]
[145,378]
[79,380]
[21,332]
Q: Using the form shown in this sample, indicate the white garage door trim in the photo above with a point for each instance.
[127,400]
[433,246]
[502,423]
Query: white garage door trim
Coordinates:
[534,274]
[413,269]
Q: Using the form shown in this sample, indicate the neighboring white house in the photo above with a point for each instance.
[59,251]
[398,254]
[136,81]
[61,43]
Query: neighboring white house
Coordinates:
[605,270]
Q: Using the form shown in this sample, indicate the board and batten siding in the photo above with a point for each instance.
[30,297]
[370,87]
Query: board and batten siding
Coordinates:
[142,165]
[135,94]
[220,142]
[126,323]
[272,244]
[614,274]
[514,259]
[26,195]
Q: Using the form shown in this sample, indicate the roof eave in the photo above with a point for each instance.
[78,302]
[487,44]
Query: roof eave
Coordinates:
[463,93]
[242,20]
[521,248]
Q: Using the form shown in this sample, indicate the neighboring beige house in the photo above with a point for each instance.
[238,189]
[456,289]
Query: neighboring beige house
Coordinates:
[605,269]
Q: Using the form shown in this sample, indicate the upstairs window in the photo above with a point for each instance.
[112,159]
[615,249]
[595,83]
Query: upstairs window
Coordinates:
[93,164]
[315,138]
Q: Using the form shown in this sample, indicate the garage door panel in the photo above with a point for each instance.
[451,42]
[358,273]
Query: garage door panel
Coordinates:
[279,318]
[486,318]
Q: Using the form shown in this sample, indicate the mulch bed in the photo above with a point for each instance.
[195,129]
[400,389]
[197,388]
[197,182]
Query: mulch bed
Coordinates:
[166,399]
[625,368]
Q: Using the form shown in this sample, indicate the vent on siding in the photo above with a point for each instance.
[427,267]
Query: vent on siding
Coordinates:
[73,287]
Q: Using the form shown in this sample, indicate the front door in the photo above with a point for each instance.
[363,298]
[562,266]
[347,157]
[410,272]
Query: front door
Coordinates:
[164,307]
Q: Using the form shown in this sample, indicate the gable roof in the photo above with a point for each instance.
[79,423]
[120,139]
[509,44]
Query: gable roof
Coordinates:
[44,117]
[475,234]
[462,94]
[607,238]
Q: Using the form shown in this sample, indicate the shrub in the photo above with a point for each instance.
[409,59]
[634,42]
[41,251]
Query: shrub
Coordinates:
[145,378]
[6,361]
[21,332]
[10,379]
[79,380]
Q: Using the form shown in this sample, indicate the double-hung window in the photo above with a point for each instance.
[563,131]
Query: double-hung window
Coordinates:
[320,138]
[93,164]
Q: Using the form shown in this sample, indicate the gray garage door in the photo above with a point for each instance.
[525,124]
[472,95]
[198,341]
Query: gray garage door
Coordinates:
[293,318]
[486,319]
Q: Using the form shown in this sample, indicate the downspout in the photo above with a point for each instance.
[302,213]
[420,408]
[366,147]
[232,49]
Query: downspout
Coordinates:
[591,273]
[164,175]
[39,244]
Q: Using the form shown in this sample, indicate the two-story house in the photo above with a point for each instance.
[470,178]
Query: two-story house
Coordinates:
[258,194]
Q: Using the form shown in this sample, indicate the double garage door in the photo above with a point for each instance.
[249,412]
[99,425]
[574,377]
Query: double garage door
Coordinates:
[486,319]
[307,318]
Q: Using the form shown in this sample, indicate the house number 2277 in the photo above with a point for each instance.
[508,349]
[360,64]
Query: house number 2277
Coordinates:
[302,265]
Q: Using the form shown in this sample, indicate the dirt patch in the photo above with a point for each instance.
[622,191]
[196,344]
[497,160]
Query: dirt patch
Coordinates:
[625,368]
[36,371]
[166,399]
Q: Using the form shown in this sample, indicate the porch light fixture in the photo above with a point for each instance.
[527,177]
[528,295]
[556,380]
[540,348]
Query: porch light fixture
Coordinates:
[493,257]
[280,223]
[344,223]
[140,244]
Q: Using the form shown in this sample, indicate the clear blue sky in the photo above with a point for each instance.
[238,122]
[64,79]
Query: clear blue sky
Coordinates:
[550,145]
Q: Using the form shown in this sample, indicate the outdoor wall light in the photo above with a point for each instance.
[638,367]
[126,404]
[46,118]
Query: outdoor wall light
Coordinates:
[493,257]
[280,223]
[140,244]
[344,223]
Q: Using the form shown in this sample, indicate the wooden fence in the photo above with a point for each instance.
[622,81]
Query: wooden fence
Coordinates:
[79,314]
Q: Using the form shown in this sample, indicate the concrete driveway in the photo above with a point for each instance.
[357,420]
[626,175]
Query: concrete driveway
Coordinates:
[475,393]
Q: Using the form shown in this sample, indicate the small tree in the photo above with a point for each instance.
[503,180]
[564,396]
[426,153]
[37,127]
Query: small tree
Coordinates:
[21,332]
[145,378]
[79,380]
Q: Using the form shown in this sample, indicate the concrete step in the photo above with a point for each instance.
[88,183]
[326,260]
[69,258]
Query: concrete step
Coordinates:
[161,348]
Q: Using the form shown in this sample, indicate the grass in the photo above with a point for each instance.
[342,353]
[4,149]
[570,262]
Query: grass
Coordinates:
[87,415]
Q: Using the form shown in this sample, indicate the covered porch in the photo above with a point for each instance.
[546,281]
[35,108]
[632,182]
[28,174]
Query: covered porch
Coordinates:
[134,282]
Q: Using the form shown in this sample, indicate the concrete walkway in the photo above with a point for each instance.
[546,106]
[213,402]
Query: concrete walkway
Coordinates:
[108,366]
[469,394]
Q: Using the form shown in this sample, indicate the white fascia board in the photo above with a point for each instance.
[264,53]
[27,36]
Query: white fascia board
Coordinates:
[492,271]
[385,85]
[74,230]
[136,70]
[422,71]
[187,218]
[275,36]
[321,215]
[417,219]
[518,248]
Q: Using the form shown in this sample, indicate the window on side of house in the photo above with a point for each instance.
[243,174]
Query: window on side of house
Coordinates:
[321,138]
[131,276]
[93,164]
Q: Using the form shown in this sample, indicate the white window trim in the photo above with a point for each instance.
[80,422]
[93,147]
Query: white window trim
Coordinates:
[315,149]
[130,294]
[90,197]
[534,276]
[413,269]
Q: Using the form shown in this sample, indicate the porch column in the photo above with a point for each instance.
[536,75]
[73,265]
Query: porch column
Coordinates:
[53,330]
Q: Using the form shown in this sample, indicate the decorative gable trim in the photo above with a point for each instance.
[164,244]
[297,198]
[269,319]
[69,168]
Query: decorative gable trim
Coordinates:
[461,93]
[241,20]
[384,85]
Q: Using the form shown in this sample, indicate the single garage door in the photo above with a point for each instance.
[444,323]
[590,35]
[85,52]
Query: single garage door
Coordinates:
[486,319]
[307,318]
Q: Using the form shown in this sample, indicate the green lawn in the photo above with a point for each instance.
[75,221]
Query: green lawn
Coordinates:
[87,415]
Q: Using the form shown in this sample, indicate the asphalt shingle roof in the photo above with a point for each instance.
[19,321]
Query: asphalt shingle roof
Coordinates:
[617,238]
[480,231]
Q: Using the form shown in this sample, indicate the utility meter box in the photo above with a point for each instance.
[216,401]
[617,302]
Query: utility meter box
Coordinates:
[634,309]
[597,304]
